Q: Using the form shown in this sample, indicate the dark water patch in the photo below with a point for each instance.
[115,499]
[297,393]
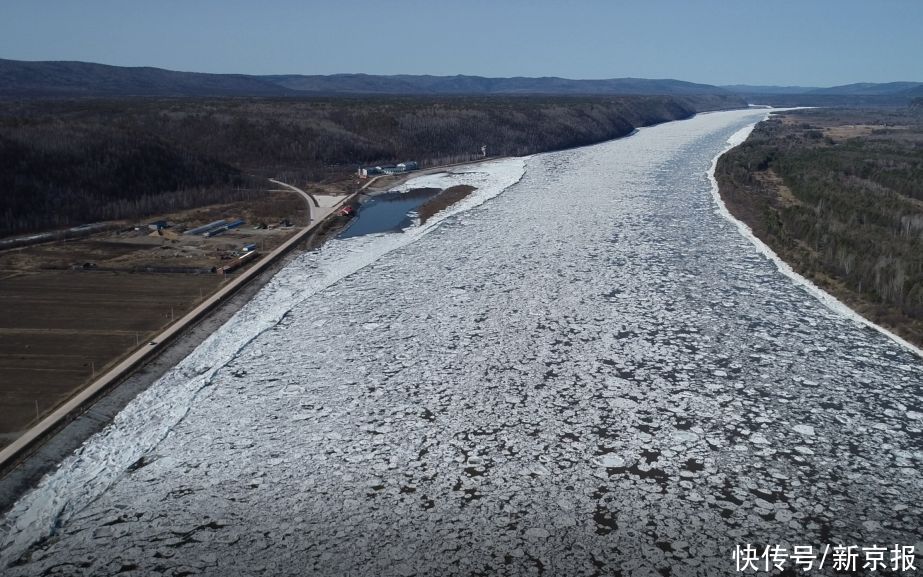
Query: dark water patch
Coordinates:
[774,496]
[664,546]
[654,474]
[650,455]
[605,523]
[694,465]
[388,212]
[648,428]
[683,424]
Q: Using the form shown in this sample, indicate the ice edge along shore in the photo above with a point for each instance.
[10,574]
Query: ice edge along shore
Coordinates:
[820,294]
[149,418]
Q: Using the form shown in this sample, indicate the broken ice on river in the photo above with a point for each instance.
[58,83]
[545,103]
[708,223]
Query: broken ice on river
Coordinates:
[592,372]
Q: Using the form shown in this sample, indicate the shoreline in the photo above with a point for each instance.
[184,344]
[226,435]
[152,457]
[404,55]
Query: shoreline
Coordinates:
[829,300]
[145,414]
[60,459]
[369,190]
[32,464]
[21,473]
[25,466]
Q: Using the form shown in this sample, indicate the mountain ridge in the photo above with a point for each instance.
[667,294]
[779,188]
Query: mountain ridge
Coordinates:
[466,84]
[20,78]
[69,78]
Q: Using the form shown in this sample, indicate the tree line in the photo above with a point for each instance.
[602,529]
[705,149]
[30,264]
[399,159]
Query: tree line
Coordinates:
[841,202]
[67,162]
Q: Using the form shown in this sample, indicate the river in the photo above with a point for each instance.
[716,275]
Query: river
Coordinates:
[593,371]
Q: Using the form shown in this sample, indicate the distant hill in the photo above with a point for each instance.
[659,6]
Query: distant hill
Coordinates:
[28,79]
[759,89]
[20,79]
[870,88]
[859,94]
[857,89]
[431,85]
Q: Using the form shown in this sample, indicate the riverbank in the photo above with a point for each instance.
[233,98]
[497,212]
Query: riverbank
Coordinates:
[212,148]
[23,464]
[22,469]
[833,194]
[70,310]
[631,371]
[633,109]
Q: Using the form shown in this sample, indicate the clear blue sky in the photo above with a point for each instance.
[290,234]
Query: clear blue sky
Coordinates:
[806,42]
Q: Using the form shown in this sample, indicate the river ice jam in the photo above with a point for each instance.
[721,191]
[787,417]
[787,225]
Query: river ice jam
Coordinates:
[593,372]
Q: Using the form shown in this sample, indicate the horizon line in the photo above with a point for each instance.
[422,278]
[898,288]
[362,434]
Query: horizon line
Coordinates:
[449,75]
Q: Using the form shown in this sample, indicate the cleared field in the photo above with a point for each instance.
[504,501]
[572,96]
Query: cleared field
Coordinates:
[70,309]
[59,328]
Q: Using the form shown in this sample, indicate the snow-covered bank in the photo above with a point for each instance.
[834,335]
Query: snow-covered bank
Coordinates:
[150,417]
[820,294]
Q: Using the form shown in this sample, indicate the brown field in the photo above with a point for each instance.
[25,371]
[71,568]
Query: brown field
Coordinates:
[278,204]
[59,328]
[70,309]
[846,131]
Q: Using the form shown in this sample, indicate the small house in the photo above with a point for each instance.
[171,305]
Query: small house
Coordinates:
[368,171]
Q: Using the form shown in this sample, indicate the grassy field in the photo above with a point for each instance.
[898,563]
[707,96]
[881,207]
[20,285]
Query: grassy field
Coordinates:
[838,194]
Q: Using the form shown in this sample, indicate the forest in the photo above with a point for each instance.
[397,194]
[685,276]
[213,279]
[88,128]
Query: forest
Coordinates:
[839,195]
[72,161]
